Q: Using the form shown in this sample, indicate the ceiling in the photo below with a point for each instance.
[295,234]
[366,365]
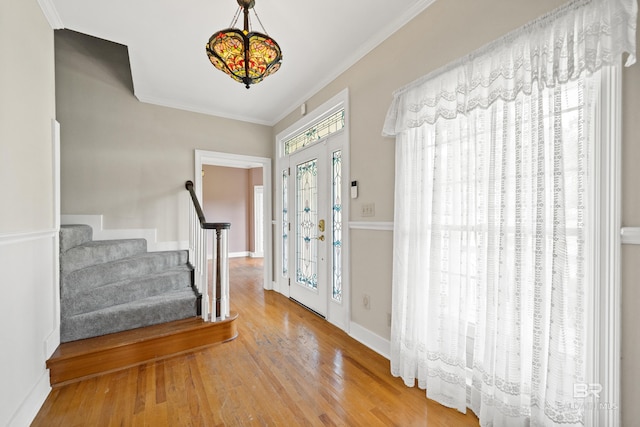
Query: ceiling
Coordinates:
[166,42]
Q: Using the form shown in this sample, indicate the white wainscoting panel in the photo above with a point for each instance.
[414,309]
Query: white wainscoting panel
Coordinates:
[28,324]
[99,233]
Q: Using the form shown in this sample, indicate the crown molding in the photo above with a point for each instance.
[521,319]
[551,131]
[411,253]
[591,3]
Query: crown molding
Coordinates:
[51,13]
[339,68]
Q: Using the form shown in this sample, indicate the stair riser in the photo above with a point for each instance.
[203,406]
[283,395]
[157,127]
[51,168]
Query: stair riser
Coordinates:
[99,252]
[98,275]
[124,292]
[124,318]
[75,361]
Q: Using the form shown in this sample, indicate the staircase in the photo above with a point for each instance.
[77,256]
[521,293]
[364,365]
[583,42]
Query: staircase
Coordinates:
[121,306]
[116,285]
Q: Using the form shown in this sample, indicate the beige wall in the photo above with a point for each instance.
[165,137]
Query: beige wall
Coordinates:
[630,253]
[27,234]
[129,160]
[225,197]
[27,105]
[125,159]
[444,32]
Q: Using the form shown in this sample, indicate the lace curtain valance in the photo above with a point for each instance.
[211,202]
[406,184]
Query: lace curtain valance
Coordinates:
[583,35]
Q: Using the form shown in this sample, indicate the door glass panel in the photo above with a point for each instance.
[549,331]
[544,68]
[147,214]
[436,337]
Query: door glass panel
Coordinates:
[336,197]
[285,223]
[306,223]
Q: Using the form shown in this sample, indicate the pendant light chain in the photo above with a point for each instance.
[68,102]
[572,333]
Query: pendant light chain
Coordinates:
[234,21]
[260,22]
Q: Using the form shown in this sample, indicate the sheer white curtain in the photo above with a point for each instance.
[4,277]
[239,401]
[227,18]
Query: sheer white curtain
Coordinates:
[492,217]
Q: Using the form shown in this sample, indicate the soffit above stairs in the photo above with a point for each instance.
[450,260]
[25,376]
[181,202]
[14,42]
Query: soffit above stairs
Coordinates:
[166,42]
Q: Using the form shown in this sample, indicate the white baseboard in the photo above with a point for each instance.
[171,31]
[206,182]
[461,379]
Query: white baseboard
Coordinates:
[99,233]
[283,290]
[52,342]
[256,254]
[29,408]
[182,245]
[232,255]
[239,254]
[372,340]
[93,221]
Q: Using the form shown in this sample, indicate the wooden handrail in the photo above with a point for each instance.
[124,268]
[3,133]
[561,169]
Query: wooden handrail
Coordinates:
[203,221]
[221,232]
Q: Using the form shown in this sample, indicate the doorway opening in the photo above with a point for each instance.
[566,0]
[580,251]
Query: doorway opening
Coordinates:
[258,171]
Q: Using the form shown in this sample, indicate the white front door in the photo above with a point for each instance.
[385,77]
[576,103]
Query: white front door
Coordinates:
[312,262]
[309,241]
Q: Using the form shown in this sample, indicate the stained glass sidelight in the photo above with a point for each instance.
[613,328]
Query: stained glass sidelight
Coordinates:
[285,223]
[306,223]
[336,197]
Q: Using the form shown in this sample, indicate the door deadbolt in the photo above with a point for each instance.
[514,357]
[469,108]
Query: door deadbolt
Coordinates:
[321,225]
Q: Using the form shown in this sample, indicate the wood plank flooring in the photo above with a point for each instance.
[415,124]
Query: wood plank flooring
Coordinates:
[287,367]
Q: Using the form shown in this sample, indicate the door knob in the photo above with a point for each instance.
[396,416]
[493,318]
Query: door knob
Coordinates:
[320,237]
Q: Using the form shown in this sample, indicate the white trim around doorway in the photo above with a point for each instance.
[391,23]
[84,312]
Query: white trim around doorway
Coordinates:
[214,158]
[339,314]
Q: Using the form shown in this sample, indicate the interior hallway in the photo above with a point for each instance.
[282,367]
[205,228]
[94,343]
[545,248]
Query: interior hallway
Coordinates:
[287,367]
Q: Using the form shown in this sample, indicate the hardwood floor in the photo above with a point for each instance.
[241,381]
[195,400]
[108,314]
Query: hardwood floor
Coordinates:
[287,367]
[89,357]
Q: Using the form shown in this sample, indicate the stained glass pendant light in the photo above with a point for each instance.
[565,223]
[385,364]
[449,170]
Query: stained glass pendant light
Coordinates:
[246,56]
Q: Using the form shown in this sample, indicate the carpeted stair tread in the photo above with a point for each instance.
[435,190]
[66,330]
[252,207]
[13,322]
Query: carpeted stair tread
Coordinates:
[162,308]
[99,251]
[73,235]
[135,266]
[123,291]
[114,285]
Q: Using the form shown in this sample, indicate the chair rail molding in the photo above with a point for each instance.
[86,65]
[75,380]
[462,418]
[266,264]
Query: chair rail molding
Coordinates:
[630,235]
[371,225]
[13,238]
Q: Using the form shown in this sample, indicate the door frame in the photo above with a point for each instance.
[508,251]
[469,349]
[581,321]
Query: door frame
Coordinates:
[258,222]
[214,158]
[339,314]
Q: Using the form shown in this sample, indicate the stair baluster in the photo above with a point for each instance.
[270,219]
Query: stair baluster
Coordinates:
[215,292]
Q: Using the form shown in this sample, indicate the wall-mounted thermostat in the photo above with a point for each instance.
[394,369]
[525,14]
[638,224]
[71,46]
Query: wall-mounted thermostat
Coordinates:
[354,189]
